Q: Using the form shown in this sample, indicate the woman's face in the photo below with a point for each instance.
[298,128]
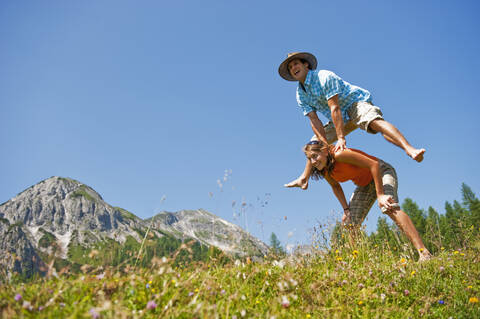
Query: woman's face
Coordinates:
[318,159]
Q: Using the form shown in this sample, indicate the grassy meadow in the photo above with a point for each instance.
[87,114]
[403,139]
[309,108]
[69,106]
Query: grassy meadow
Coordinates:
[367,281]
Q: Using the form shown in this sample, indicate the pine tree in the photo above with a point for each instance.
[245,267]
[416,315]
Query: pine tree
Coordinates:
[416,214]
[276,245]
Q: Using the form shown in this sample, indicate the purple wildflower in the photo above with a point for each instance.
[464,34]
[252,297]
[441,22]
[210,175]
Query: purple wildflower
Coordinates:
[190,294]
[18,297]
[223,291]
[151,305]
[147,285]
[94,313]
[441,302]
[406,292]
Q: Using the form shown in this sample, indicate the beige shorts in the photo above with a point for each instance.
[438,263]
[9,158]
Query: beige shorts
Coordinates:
[364,196]
[361,115]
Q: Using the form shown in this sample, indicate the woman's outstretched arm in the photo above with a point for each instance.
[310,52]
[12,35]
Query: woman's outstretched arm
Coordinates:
[340,195]
[360,160]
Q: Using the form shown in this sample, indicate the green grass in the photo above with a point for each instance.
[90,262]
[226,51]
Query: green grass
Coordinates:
[368,281]
[82,192]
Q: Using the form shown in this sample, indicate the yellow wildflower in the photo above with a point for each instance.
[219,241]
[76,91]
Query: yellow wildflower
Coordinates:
[470,287]
[455,252]
[360,303]
[173,281]
[339,258]
[443,248]
[473,300]
[337,251]
[308,315]
[196,290]
[413,273]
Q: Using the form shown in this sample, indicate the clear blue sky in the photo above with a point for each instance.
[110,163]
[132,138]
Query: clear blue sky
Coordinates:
[141,99]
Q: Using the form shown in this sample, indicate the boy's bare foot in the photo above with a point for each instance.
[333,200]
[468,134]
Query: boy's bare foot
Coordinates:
[299,182]
[416,154]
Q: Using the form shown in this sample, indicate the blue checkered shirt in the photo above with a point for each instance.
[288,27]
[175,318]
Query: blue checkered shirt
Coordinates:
[321,85]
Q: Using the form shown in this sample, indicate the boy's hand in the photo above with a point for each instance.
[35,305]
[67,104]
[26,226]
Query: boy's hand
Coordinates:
[340,145]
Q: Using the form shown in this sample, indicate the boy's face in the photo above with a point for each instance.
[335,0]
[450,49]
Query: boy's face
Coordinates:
[298,70]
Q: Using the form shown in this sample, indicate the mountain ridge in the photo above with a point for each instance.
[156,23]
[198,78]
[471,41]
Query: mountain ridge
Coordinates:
[62,216]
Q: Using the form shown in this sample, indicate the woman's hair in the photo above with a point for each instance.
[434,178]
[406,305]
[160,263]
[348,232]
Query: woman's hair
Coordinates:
[317,147]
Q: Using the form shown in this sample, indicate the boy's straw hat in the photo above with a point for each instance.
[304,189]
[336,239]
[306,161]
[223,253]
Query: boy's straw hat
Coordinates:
[283,68]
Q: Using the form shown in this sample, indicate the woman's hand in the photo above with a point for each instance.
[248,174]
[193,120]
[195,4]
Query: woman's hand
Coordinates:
[386,203]
[346,220]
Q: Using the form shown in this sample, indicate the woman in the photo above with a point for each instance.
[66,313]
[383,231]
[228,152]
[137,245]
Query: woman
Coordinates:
[375,180]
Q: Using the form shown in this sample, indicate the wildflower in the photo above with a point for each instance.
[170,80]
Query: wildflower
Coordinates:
[441,302]
[41,308]
[94,313]
[360,303]
[308,315]
[382,297]
[462,254]
[441,268]
[153,290]
[173,281]
[196,290]
[406,292]
[337,252]
[344,282]
[151,305]
[147,286]
[285,302]
[339,258]
[469,287]
[455,252]
[27,305]
[190,294]
[361,286]
[473,300]
[243,313]
[442,248]
[413,273]
[223,291]
[18,297]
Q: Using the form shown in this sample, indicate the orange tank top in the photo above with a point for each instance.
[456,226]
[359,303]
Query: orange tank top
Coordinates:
[343,172]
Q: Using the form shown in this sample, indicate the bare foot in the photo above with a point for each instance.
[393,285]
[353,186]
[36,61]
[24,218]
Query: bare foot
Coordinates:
[299,182]
[416,154]
[424,256]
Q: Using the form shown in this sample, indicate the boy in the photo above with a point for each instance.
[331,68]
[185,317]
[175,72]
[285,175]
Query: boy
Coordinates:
[346,105]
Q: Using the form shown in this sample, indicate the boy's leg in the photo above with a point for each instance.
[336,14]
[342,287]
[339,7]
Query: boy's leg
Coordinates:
[370,118]
[302,180]
[393,135]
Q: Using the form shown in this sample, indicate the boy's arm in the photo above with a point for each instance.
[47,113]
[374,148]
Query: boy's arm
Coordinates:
[317,127]
[338,122]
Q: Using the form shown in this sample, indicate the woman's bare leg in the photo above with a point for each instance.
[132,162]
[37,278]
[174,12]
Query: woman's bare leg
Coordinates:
[406,225]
